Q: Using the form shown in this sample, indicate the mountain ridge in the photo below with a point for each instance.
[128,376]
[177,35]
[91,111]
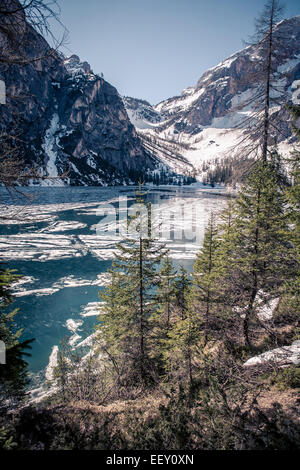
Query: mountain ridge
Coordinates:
[205,121]
[70,121]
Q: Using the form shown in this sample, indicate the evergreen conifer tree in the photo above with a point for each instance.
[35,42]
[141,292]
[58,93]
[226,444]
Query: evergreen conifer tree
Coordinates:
[125,323]
[183,335]
[206,276]
[260,254]
[293,212]
[163,304]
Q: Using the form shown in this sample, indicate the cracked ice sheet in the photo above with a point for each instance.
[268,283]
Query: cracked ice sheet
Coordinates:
[63,226]
[92,309]
[71,281]
[36,292]
[64,282]
[37,246]
[14,214]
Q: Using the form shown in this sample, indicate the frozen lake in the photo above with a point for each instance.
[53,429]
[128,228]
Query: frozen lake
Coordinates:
[62,240]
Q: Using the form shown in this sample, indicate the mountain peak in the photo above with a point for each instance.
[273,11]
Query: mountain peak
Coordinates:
[76,67]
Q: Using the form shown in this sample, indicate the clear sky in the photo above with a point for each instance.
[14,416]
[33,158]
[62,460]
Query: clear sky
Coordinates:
[153,49]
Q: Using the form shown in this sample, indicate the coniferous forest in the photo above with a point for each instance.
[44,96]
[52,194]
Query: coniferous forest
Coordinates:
[207,360]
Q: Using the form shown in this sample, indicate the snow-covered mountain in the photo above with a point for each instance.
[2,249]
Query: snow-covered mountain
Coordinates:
[205,124]
[66,118]
[141,113]
[68,121]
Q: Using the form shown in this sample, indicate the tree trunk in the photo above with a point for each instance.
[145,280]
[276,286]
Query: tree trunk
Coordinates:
[267,93]
[141,294]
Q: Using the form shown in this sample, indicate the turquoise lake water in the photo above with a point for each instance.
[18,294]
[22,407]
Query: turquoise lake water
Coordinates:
[52,239]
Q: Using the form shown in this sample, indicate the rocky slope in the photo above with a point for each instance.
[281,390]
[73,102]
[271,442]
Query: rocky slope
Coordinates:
[206,123]
[64,116]
[68,121]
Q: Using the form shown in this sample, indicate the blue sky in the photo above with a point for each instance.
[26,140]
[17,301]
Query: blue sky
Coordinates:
[153,49]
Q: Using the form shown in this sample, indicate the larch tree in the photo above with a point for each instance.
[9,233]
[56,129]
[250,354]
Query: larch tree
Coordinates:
[262,126]
[125,322]
[293,211]
[183,336]
[261,256]
[163,302]
[206,275]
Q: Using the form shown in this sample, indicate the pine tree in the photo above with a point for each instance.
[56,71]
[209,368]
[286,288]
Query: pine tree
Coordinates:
[183,336]
[163,302]
[182,288]
[260,255]
[262,126]
[13,374]
[125,324]
[293,213]
[206,275]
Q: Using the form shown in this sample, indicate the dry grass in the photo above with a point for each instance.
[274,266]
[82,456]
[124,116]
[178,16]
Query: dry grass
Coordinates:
[288,399]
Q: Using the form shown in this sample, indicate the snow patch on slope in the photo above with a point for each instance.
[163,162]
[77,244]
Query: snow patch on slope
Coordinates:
[48,146]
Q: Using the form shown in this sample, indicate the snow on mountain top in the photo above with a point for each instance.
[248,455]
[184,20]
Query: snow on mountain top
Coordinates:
[76,68]
[188,91]
[141,113]
[179,103]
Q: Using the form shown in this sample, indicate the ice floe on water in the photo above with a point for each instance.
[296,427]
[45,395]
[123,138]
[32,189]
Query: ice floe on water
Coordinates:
[73,325]
[64,282]
[72,226]
[36,292]
[63,226]
[74,338]
[53,362]
[92,309]
[71,281]
[18,285]
[37,246]
[87,342]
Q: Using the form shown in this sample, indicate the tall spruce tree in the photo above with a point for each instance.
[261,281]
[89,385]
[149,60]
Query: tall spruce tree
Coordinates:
[125,323]
[182,291]
[261,257]
[183,336]
[206,276]
[293,211]
[163,302]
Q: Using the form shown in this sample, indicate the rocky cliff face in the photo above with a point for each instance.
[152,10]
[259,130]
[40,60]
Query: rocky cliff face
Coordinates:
[64,116]
[207,121]
[141,113]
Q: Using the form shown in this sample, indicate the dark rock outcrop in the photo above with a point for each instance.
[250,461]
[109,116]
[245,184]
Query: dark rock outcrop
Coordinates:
[65,116]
